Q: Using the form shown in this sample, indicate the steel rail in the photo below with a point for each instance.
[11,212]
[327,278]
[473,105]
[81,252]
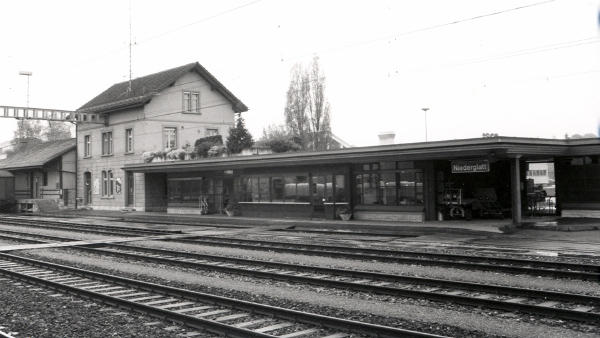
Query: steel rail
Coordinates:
[497,289]
[84,227]
[5,335]
[413,253]
[394,291]
[20,239]
[152,220]
[353,285]
[3,234]
[393,256]
[389,257]
[282,313]
[570,268]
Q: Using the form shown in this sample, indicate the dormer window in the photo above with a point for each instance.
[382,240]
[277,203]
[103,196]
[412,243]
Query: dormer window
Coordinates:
[191,102]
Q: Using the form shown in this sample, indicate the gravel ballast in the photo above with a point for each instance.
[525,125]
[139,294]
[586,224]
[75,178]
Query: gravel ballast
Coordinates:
[27,311]
[485,277]
[414,314]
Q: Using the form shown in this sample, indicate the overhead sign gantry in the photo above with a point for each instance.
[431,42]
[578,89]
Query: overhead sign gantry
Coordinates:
[28,113]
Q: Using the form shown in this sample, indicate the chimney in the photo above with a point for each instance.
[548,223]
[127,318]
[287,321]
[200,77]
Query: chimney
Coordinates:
[386,138]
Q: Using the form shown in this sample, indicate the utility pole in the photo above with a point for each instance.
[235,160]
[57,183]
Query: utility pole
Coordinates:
[28,74]
[425,110]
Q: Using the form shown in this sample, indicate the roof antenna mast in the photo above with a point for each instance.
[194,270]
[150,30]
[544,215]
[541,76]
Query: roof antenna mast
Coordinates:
[129,88]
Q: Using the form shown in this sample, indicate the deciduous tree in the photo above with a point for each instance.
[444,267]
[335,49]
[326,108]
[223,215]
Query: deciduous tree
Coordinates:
[307,110]
[57,131]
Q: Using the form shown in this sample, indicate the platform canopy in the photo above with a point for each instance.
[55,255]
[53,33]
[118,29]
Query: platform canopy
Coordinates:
[489,148]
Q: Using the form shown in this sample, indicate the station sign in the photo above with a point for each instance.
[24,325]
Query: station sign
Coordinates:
[470,166]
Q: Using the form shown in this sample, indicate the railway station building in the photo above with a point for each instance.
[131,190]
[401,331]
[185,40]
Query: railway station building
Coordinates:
[399,182]
[482,177]
[43,174]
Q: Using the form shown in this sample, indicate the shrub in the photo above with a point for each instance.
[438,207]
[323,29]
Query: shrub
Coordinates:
[215,151]
[282,145]
[176,154]
[160,154]
[203,145]
[147,156]
[216,139]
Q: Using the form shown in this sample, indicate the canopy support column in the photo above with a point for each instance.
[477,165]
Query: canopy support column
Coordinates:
[515,187]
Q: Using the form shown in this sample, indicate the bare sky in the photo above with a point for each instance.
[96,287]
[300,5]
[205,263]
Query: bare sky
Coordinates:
[533,71]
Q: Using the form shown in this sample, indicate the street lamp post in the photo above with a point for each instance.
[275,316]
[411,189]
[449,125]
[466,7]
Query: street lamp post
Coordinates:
[425,110]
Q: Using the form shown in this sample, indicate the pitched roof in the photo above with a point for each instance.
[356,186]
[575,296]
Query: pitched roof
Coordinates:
[143,88]
[35,155]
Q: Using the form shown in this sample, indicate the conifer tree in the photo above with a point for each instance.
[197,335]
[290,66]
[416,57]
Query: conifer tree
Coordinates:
[239,137]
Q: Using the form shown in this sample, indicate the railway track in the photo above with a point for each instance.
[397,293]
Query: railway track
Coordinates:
[545,303]
[216,314]
[82,227]
[462,261]
[486,263]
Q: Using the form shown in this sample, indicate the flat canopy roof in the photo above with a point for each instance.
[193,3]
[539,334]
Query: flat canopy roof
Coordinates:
[495,147]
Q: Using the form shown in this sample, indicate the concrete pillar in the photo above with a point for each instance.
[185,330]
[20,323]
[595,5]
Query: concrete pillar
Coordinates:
[515,189]
[430,198]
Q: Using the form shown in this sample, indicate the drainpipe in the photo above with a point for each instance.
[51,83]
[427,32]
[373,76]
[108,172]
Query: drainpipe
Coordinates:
[76,163]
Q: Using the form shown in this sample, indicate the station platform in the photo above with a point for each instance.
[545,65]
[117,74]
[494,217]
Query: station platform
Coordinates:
[537,235]
[491,226]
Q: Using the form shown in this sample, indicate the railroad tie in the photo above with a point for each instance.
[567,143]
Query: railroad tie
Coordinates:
[549,303]
[250,323]
[191,309]
[425,290]
[80,283]
[299,333]
[362,281]
[516,300]
[161,301]
[337,335]
[117,292]
[63,279]
[232,317]
[112,288]
[152,323]
[210,313]
[170,306]
[302,274]
[274,327]
[145,298]
[92,287]
[583,308]
[484,296]
[134,294]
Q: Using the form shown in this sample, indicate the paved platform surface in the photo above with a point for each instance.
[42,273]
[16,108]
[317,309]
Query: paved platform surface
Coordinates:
[135,238]
[542,240]
[454,226]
